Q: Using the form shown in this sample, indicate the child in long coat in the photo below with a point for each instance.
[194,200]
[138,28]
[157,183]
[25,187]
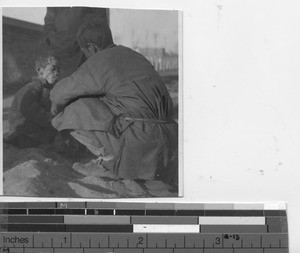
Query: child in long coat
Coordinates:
[30,117]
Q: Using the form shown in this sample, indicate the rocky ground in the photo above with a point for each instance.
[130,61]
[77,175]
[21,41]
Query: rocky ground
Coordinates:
[45,173]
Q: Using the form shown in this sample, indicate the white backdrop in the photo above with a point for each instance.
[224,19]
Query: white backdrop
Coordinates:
[241,99]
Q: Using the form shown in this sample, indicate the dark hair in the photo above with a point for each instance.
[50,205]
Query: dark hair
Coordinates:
[99,34]
[43,60]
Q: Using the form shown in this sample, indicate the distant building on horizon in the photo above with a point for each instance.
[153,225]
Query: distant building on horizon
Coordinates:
[21,39]
[138,28]
[158,57]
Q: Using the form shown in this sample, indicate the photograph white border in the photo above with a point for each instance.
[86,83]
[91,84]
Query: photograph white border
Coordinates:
[180,72]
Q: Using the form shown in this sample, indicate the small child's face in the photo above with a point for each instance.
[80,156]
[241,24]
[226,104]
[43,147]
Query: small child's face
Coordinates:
[50,73]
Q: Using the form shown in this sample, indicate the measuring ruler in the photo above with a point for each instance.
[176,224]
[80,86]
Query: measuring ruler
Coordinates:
[90,227]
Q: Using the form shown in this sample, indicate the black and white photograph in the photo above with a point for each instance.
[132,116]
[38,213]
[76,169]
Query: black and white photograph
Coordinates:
[91,102]
[165,109]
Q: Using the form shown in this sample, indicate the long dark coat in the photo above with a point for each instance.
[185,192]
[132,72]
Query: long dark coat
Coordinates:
[118,92]
[30,112]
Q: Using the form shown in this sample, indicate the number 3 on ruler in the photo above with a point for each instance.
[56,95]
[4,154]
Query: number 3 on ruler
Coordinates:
[218,240]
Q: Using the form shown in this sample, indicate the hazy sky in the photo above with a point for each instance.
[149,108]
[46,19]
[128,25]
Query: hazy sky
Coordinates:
[143,28]
[34,15]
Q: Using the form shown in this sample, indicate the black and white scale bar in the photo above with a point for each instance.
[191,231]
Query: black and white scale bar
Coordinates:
[151,212]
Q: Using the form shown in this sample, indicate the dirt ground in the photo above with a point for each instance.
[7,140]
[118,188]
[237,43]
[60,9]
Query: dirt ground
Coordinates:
[44,173]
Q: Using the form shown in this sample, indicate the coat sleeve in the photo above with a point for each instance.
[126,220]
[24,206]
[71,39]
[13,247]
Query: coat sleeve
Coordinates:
[81,83]
[30,107]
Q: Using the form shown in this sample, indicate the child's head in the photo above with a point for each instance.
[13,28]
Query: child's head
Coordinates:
[94,37]
[47,67]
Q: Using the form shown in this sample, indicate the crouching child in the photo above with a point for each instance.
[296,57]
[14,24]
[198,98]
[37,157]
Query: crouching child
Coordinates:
[30,117]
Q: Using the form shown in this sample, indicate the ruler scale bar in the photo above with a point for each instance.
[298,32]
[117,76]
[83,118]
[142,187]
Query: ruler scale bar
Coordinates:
[85,227]
[131,228]
[136,228]
[138,205]
[143,240]
[120,250]
[121,219]
[178,212]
